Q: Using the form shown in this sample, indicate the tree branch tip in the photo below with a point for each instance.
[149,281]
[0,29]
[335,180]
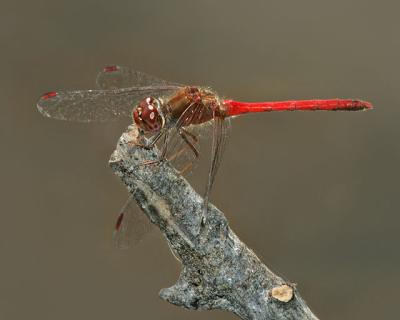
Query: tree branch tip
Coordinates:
[283,293]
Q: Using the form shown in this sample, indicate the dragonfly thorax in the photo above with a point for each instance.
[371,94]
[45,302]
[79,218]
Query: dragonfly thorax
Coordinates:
[148,115]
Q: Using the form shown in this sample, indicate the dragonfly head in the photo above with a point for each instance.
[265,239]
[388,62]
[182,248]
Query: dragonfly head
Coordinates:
[148,116]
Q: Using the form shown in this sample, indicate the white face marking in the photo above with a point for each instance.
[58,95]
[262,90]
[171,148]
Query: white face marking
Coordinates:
[152,115]
[151,107]
[148,100]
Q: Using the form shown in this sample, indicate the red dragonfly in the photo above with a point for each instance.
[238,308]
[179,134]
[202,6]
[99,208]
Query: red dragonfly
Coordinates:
[171,113]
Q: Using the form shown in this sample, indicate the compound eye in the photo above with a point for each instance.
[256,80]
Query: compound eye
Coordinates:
[147,116]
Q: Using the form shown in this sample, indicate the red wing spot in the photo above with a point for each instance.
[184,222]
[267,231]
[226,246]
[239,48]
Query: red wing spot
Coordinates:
[49,95]
[111,69]
[119,221]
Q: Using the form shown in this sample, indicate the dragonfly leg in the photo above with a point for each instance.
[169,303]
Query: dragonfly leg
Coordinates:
[151,162]
[184,134]
[153,140]
[193,136]
[162,157]
[185,169]
[176,155]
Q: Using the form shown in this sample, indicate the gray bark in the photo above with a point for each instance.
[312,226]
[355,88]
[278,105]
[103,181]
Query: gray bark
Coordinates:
[218,270]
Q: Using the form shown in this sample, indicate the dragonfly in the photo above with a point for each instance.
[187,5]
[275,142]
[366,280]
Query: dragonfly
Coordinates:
[170,114]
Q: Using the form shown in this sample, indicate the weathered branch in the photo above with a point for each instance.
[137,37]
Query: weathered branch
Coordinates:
[218,270]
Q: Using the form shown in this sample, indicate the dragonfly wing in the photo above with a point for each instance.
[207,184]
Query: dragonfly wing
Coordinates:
[97,105]
[131,226]
[183,143]
[220,137]
[114,77]
[182,151]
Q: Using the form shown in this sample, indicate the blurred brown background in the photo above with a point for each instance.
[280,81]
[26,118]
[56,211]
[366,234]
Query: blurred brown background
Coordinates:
[314,194]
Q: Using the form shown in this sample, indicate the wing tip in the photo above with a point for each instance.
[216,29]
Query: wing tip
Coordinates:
[43,98]
[48,95]
[112,68]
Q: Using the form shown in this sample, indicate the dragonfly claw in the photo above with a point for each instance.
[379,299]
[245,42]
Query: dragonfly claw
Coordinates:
[143,145]
[151,162]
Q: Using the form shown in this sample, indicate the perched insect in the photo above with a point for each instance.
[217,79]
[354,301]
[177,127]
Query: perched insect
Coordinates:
[169,112]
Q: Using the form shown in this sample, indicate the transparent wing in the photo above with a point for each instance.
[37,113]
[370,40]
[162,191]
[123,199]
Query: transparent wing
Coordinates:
[220,138]
[183,143]
[114,77]
[183,150]
[131,226]
[97,105]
